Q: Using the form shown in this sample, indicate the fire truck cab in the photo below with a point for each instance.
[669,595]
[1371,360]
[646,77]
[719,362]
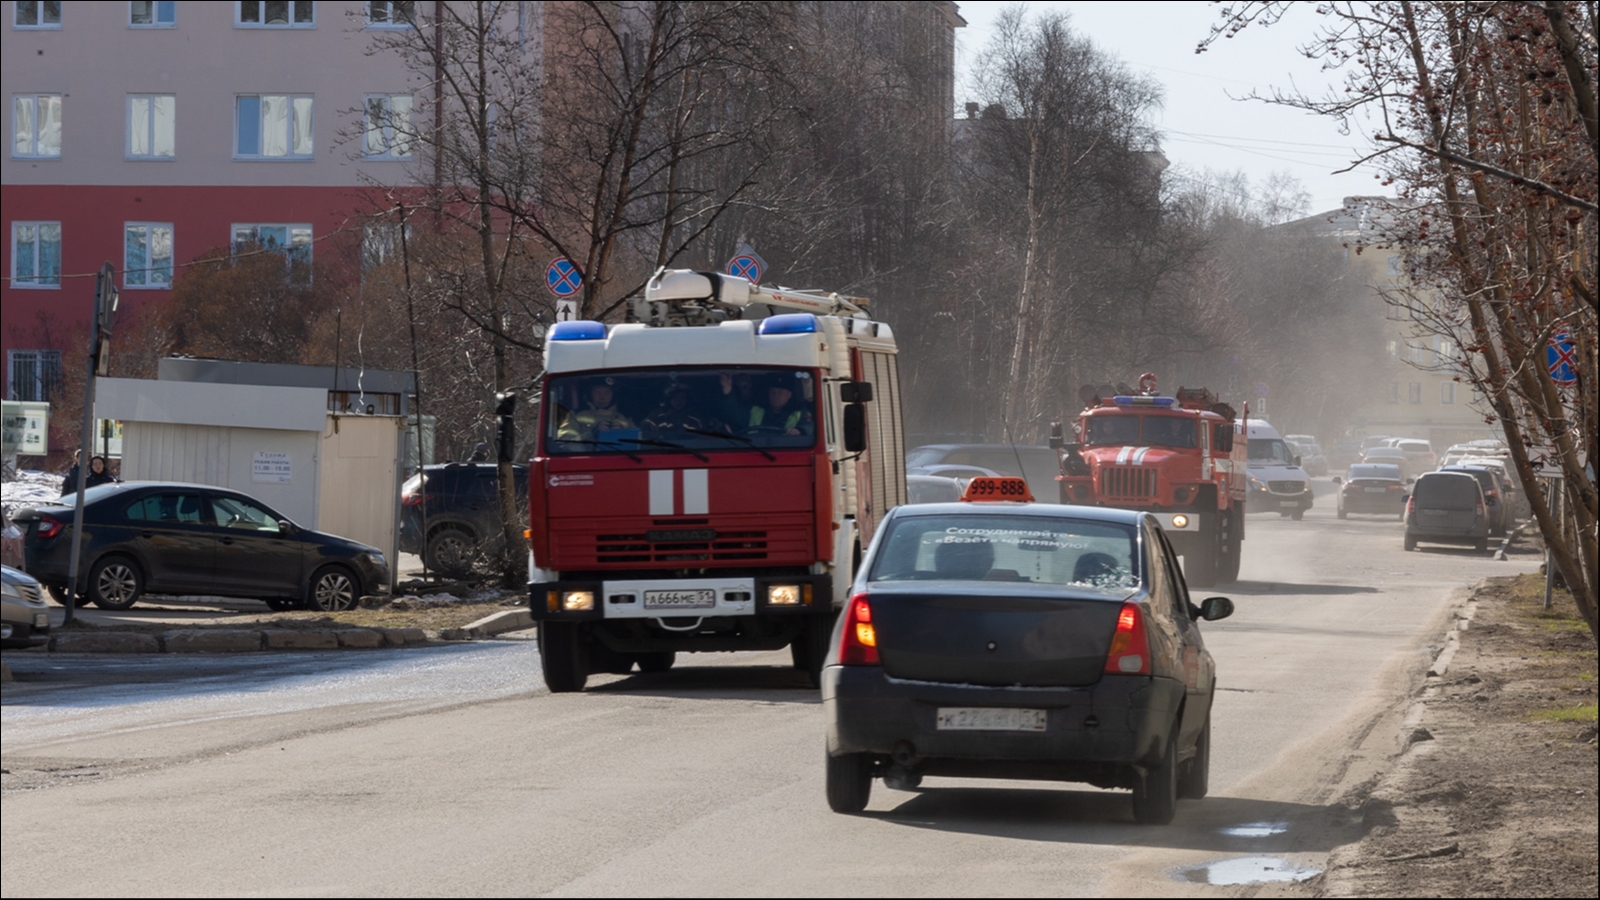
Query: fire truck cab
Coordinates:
[1181,458]
[707,473]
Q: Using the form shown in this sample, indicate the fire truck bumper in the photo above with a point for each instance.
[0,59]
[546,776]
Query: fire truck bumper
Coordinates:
[777,595]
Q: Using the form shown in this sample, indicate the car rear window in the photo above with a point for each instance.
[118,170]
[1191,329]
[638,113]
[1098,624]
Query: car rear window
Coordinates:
[1030,549]
[1446,490]
[1374,471]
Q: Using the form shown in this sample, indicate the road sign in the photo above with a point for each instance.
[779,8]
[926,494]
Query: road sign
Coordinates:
[566,310]
[562,277]
[1561,358]
[747,263]
[1261,389]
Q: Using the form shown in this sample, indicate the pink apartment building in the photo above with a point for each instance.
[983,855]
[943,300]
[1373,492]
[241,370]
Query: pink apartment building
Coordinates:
[146,132]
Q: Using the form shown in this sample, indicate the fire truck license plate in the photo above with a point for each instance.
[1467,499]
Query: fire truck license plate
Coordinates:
[964,718]
[701,599]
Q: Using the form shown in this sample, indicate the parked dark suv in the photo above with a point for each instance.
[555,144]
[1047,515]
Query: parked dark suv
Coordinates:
[462,500]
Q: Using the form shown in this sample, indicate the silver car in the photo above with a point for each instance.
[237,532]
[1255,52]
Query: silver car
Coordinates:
[26,618]
[1447,508]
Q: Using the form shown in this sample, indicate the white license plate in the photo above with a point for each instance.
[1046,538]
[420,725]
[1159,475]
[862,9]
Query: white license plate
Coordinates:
[1377,490]
[41,620]
[697,599]
[1288,504]
[965,718]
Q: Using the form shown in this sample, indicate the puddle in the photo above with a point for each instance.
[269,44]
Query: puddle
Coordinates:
[1246,870]
[1257,829]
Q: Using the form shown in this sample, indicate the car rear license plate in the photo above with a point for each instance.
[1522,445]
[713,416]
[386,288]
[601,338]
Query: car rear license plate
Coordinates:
[696,599]
[1376,490]
[966,718]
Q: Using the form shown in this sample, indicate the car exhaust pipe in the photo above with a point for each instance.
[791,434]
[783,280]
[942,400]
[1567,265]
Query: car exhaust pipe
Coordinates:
[905,753]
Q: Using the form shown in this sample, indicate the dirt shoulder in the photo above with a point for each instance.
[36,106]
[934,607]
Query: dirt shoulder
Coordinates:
[1495,795]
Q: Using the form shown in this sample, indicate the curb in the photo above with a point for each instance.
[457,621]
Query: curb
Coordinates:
[233,640]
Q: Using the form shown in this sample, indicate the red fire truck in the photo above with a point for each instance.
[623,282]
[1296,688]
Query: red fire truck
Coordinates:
[1182,458]
[707,474]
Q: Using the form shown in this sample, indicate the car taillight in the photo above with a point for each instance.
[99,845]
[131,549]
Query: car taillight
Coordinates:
[48,527]
[1411,506]
[1394,487]
[1480,508]
[1130,648]
[858,645]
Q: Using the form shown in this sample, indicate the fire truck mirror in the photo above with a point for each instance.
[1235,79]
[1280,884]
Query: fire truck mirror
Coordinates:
[1055,436]
[855,428]
[855,391]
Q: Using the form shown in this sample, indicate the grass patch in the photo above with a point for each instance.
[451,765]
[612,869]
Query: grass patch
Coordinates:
[1587,712]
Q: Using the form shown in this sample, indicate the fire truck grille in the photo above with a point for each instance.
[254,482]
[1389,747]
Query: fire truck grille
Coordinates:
[1122,482]
[1285,487]
[638,548]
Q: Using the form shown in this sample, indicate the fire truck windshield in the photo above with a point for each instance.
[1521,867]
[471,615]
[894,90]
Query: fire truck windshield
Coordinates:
[1150,431]
[633,411]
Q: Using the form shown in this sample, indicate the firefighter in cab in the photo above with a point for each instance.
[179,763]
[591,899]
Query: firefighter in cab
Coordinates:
[783,413]
[672,419]
[601,415]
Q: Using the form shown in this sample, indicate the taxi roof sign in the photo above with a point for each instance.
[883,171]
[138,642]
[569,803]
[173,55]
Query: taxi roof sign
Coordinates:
[989,489]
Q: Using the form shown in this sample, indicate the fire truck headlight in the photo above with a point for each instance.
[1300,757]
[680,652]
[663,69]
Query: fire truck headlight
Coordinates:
[783,594]
[577,601]
[1180,521]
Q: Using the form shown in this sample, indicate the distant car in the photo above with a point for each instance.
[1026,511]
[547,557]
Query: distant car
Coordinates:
[1388,456]
[1344,455]
[1516,499]
[1495,495]
[1021,640]
[1419,456]
[24,615]
[1373,489]
[1375,440]
[463,506]
[965,473]
[1311,458]
[167,538]
[933,489]
[1038,464]
[1447,508]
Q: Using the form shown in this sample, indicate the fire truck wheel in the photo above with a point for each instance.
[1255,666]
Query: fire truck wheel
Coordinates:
[656,662]
[810,649]
[1200,568]
[563,656]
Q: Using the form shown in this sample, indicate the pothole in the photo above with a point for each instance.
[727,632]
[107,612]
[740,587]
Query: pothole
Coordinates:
[1257,829]
[1246,870]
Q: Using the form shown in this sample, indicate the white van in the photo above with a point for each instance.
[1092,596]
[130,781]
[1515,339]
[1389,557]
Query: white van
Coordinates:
[1277,483]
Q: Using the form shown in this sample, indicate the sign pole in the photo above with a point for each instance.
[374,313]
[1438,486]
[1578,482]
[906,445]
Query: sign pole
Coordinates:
[105,302]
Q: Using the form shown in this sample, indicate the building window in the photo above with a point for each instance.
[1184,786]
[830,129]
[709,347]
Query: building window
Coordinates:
[380,242]
[386,127]
[36,254]
[147,255]
[152,126]
[1394,350]
[275,14]
[1394,392]
[152,13]
[36,126]
[1446,350]
[1416,392]
[273,126]
[293,241]
[1447,393]
[33,374]
[390,15]
[37,14]
[1395,268]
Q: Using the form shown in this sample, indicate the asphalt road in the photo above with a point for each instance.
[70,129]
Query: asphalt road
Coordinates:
[451,770]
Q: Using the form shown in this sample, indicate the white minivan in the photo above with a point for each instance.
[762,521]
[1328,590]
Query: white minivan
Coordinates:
[1277,483]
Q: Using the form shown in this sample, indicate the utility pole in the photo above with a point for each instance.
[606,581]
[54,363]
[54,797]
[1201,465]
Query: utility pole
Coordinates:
[105,307]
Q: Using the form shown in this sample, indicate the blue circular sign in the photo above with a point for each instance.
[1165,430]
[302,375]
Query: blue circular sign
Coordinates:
[562,277]
[745,266]
[1561,358]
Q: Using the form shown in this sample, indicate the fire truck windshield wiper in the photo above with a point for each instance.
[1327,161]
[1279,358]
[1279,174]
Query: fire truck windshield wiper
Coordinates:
[734,437]
[609,445]
[668,444]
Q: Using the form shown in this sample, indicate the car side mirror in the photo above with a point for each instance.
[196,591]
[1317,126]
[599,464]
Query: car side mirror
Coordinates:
[855,428]
[1337,480]
[1297,462]
[1214,608]
[285,526]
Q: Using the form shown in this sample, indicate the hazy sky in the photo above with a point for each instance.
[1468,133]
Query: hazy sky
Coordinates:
[1204,128]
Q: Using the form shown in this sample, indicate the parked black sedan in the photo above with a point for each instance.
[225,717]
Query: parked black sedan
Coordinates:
[196,539]
[1021,640]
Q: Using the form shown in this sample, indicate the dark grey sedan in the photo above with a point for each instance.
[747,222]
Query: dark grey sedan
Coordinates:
[195,539]
[1021,640]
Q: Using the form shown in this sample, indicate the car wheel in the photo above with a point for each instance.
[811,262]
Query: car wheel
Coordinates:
[333,589]
[849,782]
[810,649]
[1298,514]
[1411,542]
[563,657]
[1482,545]
[115,583]
[1342,514]
[282,604]
[1196,777]
[656,662]
[451,552]
[58,593]
[1155,795]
